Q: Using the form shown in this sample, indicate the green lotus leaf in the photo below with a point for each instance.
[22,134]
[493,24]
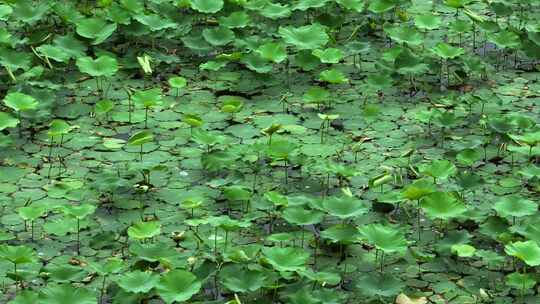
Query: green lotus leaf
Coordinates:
[155,22]
[59,127]
[521,281]
[79,211]
[177,286]
[104,106]
[62,294]
[207,6]
[275,52]
[379,81]
[442,205]
[439,169]
[529,138]
[95,28]
[515,206]
[238,19]
[232,104]
[53,52]
[26,297]
[378,284]
[20,102]
[316,95]
[140,138]
[303,5]
[404,34]
[70,46]
[144,230]
[138,281]
[213,65]
[446,51]
[463,250]
[193,120]
[456,3]
[256,63]
[427,21]
[177,82]
[102,66]
[330,55]
[227,223]
[286,258]
[238,278]
[275,11]
[302,216]
[345,206]
[148,98]
[409,64]
[111,266]
[31,213]
[29,12]
[353,5]
[341,233]
[333,76]
[153,252]
[309,37]
[17,254]
[505,39]
[528,252]
[5,10]
[218,36]
[386,238]
[15,60]
[322,277]
[303,296]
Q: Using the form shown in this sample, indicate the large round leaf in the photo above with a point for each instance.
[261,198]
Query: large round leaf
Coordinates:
[63,294]
[7,121]
[442,205]
[302,216]
[385,238]
[345,206]
[144,230]
[310,37]
[218,36]
[20,101]
[207,6]
[515,206]
[528,252]
[286,258]
[95,28]
[101,66]
[177,286]
[138,281]
[238,278]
